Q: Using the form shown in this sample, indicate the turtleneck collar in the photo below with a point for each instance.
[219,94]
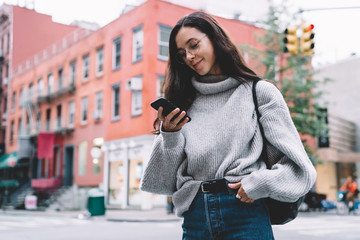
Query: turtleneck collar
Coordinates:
[214,84]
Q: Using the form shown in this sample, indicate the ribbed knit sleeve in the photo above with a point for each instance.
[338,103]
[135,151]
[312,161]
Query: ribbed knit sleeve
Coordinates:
[167,154]
[293,175]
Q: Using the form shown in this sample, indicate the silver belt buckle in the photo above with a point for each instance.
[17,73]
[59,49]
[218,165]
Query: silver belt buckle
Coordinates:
[202,187]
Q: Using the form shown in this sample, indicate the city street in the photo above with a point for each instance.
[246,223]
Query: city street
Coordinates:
[30,226]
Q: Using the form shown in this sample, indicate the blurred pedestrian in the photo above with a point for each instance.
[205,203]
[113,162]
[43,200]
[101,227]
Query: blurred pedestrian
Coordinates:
[350,190]
[169,205]
[211,166]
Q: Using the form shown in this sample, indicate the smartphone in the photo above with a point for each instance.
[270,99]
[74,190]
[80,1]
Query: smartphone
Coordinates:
[168,107]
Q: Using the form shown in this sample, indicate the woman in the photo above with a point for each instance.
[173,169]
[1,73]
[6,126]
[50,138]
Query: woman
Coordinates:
[211,165]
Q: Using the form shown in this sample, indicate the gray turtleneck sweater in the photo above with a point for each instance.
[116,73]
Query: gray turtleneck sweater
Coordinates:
[223,140]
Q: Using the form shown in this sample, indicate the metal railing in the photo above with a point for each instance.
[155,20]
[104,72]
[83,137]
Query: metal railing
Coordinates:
[57,125]
[46,92]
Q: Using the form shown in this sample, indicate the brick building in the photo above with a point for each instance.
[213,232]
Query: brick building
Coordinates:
[89,101]
[23,32]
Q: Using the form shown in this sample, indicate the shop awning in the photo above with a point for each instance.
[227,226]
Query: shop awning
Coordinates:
[8,160]
[9,183]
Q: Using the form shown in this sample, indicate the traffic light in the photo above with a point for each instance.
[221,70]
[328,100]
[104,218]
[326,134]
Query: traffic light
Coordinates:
[291,40]
[307,43]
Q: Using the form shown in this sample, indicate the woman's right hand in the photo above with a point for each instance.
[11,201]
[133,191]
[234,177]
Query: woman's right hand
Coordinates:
[175,124]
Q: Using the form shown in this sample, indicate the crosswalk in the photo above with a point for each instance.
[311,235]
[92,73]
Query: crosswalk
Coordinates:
[18,222]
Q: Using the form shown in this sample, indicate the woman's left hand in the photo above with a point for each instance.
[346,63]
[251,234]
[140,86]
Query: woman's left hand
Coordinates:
[241,194]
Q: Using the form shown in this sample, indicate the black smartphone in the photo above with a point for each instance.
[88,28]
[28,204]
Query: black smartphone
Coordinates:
[168,107]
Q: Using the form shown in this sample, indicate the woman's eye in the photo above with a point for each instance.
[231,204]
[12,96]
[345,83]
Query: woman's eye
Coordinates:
[194,46]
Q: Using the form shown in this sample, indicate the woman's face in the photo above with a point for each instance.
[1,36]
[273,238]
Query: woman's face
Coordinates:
[201,58]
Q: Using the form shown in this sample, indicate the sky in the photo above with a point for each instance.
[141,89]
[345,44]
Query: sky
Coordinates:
[336,37]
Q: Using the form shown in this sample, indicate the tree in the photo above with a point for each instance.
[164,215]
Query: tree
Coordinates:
[293,74]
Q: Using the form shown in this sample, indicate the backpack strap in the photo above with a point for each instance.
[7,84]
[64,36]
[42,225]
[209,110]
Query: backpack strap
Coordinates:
[263,155]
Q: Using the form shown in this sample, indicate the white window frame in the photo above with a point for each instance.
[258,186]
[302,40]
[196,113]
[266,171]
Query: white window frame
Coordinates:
[73,72]
[40,87]
[50,83]
[116,41]
[163,43]
[86,71]
[72,114]
[31,92]
[113,105]
[100,61]
[138,43]
[60,78]
[98,105]
[84,110]
[160,80]
[136,103]
[22,97]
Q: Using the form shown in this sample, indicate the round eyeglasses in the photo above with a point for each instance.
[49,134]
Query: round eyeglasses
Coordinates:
[192,48]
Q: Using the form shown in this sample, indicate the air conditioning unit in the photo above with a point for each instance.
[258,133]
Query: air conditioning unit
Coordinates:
[5,81]
[97,115]
[134,84]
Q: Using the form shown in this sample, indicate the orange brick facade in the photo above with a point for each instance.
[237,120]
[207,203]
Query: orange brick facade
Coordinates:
[116,99]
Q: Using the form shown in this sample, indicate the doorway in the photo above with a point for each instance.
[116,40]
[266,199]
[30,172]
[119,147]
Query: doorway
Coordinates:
[68,166]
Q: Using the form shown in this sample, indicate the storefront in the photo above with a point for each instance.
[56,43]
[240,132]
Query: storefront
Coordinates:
[123,168]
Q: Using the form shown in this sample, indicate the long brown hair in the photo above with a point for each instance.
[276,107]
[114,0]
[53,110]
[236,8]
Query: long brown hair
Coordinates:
[177,85]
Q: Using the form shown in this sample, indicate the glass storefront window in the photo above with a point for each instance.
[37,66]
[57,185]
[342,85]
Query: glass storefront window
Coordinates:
[116,182]
[135,172]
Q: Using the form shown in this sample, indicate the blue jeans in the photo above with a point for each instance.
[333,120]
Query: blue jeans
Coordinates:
[222,216]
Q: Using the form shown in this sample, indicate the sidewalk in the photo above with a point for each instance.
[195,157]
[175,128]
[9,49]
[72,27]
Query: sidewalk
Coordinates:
[158,214]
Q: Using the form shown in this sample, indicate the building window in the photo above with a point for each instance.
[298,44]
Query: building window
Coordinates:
[38,121]
[40,87]
[136,103]
[116,53]
[72,72]
[100,61]
[5,106]
[8,43]
[135,85]
[85,68]
[71,114]
[115,106]
[82,158]
[159,85]
[58,118]
[7,71]
[31,92]
[13,102]
[164,35]
[84,110]
[98,105]
[50,83]
[138,41]
[20,132]
[48,116]
[2,44]
[12,131]
[60,76]
[22,97]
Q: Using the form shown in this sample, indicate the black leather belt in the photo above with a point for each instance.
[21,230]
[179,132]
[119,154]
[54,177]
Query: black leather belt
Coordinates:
[214,186]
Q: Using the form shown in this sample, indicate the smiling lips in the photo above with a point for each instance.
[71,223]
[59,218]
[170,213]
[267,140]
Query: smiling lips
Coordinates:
[196,65]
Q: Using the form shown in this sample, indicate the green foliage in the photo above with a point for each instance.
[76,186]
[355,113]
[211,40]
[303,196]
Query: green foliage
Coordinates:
[293,75]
